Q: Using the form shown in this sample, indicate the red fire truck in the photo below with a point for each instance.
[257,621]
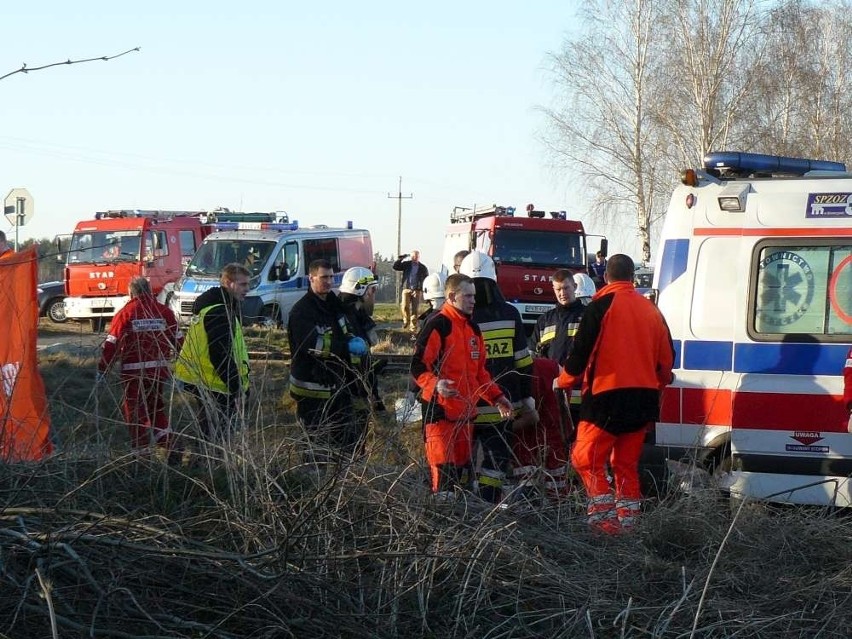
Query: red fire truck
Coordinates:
[106,253]
[526,250]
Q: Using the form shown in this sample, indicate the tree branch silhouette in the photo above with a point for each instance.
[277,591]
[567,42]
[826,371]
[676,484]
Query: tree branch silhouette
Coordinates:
[24,68]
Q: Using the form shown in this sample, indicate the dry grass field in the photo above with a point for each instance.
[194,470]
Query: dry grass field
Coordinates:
[246,542]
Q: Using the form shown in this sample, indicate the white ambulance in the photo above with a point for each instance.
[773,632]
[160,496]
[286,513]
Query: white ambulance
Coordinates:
[755,281]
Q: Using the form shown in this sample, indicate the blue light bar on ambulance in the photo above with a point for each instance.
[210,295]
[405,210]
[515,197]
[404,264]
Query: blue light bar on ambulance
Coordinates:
[745,163]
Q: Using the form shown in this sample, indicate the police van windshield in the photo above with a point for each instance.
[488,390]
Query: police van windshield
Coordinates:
[213,255]
[538,248]
[104,247]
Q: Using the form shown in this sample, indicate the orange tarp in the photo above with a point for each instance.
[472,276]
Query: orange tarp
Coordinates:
[25,433]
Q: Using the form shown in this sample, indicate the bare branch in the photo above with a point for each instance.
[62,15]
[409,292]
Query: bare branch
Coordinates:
[25,69]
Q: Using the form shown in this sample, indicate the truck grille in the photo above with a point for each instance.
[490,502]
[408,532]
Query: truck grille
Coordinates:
[186,308]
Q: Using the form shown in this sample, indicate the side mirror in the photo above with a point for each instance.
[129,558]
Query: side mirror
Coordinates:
[604,247]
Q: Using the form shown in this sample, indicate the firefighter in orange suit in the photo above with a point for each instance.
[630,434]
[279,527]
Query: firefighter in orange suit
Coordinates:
[623,353]
[449,367]
[145,335]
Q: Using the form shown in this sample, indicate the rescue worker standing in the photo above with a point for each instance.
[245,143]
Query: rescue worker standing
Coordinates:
[623,352]
[213,362]
[320,349]
[145,336]
[411,287]
[554,333]
[555,330]
[358,297]
[449,367]
[508,362]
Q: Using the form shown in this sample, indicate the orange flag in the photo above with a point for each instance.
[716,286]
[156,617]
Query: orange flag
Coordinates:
[25,422]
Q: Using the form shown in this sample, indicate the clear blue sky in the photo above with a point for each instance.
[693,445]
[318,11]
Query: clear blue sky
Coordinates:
[313,108]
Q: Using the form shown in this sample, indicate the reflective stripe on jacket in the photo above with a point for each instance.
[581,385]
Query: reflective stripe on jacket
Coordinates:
[194,365]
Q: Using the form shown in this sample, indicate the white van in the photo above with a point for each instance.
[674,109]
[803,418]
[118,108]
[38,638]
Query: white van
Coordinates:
[278,255]
[755,281]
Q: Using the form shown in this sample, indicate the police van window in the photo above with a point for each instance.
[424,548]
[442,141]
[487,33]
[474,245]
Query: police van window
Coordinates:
[290,256]
[325,248]
[802,288]
[187,243]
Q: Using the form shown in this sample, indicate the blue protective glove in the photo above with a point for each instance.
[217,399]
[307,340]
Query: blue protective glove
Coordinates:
[358,346]
[100,376]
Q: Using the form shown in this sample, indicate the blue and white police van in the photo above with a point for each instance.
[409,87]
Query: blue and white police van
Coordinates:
[278,255]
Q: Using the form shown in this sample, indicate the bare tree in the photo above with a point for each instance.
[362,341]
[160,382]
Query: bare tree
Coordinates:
[600,127]
[711,58]
[801,100]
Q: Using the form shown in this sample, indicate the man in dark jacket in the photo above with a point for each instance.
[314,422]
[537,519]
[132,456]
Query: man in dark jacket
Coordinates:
[624,355]
[321,346]
[554,333]
[411,287]
[213,362]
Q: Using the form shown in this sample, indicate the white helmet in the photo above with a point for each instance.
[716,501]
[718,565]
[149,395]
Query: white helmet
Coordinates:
[478,264]
[357,280]
[585,285]
[433,287]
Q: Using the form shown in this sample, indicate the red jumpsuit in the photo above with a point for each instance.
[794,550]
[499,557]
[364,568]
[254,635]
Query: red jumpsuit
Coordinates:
[541,448]
[144,335]
[450,347]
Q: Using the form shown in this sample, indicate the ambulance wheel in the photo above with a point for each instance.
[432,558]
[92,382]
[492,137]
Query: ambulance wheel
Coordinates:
[272,315]
[722,465]
[98,324]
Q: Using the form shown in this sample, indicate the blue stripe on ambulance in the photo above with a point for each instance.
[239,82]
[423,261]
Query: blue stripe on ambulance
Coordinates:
[673,263]
[772,359]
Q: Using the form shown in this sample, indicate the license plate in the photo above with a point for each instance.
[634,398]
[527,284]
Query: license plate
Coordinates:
[537,308]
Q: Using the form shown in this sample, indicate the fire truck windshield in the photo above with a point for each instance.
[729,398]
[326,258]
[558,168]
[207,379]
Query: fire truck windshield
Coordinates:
[213,255]
[538,248]
[104,247]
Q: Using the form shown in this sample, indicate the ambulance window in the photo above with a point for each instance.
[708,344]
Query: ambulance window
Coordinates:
[716,277]
[187,243]
[802,288]
[325,248]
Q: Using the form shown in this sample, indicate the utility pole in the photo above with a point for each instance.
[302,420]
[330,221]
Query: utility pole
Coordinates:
[399,198]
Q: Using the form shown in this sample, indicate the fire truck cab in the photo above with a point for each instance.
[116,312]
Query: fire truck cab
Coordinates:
[526,250]
[107,252]
[755,281]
